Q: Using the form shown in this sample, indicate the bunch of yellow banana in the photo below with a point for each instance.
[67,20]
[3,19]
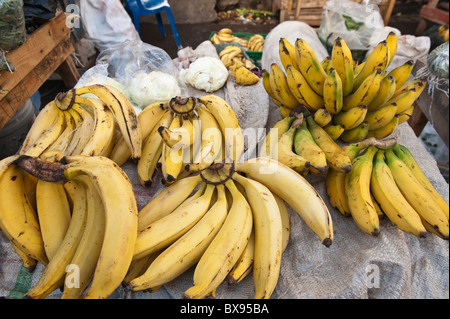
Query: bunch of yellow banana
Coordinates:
[358,100]
[387,181]
[227,221]
[300,143]
[256,43]
[79,219]
[225,35]
[182,136]
[76,124]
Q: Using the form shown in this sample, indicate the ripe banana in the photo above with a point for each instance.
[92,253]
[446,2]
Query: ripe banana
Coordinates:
[333,92]
[295,190]
[334,130]
[280,87]
[322,117]
[391,200]
[151,152]
[392,43]
[229,125]
[187,250]
[17,219]
[301,90]
[167,201]
[336,158]
[386,91]
[163,232]
[310,66]
[244,265]
[83,133]
[405,115]
[357,189]
[401,73]
[326,63]
[381,116]
[377,59]
[63,140]
[285,221]
[417,196]
[342,62]
[268,235]
[89,247]
[53,275]
[356,134]
[407,157]
[225,249]
[287,54]
[285,152]
[366,92]
[351,118]
[266,83]
[386,130]
[54,214]
[306,147]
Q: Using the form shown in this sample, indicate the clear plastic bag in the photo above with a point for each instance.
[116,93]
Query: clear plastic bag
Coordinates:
[12,24]
[350,21]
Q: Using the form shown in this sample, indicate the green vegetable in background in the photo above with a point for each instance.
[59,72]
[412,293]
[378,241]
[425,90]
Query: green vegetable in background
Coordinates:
[12,24]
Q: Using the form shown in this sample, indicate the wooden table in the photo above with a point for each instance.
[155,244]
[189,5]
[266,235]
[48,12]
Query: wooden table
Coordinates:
[47,50]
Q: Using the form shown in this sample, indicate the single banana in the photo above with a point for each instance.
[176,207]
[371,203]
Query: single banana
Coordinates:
[336,158]
[287,54]
[285,221]
[265,75]
[53,275]
[268,235]
[295,190]
[123,112]
[406,100]
[306,147]
[138,268]
[386,91]
[377,59]
[401,73]
[386,130]
[229,125]
[163,232]
[333,92]
[417,196]
[147,118]
[89,247]
[63,140]
[407,157]
[172,163]
[244,265]
[310,66]
[381,116]
[225,249]
[187,250]
[285,152]
[326,63]
[351,118]
[322,117]
[17,218]
[280,87]
[169,133]
[342,62]
[365,93]
[270,141]
[334,130]
[356,134]
[391,200]
[167,201]
[301,90]
[151,152]
[405,115]
[357,189]
[392,43]
[44,119]
[54,214]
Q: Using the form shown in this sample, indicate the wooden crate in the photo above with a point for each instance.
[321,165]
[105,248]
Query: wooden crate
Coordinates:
[45,51]
[310,11]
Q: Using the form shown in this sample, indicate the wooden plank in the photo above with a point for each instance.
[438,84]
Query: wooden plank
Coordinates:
[26,57]
[14,99]
[434,15]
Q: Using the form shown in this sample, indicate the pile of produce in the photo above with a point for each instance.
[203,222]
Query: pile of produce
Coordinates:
[353,100]
[228,220]
[386,180]
[81,214]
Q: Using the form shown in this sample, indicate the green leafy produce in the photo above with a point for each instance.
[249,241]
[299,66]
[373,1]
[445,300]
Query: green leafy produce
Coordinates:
[12,24]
